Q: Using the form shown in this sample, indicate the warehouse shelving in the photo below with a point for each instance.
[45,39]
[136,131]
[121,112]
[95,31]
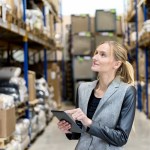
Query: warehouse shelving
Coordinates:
[14,35]
[143,43]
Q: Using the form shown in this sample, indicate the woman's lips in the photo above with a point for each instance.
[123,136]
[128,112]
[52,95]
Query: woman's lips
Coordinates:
[94,63]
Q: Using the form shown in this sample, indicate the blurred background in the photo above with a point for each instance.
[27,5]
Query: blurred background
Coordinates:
[46,48]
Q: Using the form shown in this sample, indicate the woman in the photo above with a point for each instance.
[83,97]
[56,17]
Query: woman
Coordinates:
[106,106]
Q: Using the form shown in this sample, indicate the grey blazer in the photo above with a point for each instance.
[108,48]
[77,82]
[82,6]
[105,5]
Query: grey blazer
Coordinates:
[113,118]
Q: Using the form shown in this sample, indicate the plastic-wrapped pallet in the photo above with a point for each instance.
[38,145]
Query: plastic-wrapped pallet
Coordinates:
[34,19]
[21,131]
[22,87]
[41,84]
[13,145]
[24,144]
[6,101]
[8,72]
[41,121]
[34,127]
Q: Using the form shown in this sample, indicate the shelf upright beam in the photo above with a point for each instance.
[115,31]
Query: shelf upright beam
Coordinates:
[139,96]
[45,50]
[45,64]
[146,63]
[25,40]
[25,43]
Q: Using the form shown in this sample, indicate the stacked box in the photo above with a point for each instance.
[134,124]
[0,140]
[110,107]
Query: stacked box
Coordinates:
[7,122]
[82,68]
[80,23]
[105,21]
[82,45]
[100,38]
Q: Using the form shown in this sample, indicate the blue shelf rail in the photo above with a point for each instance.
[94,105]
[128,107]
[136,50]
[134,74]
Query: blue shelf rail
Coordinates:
[45,50]
[25,40]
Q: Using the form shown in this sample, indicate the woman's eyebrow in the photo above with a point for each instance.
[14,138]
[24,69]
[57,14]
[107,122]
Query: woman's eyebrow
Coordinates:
[101,51]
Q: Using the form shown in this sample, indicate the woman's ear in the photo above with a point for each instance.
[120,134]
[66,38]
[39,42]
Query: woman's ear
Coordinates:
[117,64]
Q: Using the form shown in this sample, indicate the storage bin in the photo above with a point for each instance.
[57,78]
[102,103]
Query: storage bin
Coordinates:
[82,68]
[80,23]
[99,38]
[82,45]
[105,20]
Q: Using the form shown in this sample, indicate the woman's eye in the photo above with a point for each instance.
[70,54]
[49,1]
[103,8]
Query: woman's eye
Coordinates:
[95,53]
[103,54]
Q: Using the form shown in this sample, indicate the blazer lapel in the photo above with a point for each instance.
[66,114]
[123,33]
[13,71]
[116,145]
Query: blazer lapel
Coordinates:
[87,94]
[109,92]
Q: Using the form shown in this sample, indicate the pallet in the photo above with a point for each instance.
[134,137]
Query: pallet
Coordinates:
[5,141]
[18,22]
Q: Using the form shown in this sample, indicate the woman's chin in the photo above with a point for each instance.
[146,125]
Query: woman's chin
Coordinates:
[94,69]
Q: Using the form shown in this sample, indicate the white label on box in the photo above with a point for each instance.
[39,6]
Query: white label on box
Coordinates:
[53,75]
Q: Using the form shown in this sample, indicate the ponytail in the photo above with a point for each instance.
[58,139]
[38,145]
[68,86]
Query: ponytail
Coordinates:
[126,72]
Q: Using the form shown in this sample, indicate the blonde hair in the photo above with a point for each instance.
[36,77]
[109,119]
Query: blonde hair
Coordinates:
[120,54]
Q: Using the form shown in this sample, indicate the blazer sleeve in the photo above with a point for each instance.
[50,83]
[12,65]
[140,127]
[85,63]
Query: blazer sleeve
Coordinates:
[75,136]
[119,135]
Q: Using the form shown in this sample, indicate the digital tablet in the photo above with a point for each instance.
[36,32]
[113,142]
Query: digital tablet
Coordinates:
[61,115]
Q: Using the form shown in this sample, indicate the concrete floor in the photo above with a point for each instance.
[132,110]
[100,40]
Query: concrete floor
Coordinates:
[53,139]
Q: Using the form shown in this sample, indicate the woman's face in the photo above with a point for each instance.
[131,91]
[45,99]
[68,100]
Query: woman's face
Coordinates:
[103,59]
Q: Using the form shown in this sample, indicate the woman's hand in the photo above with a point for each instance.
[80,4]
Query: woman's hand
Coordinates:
[64,126]
[77,114]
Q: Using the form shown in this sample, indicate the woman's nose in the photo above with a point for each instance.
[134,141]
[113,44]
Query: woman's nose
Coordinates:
[94,57]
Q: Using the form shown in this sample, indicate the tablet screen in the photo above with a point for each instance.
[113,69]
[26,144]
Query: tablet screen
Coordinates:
[61,115]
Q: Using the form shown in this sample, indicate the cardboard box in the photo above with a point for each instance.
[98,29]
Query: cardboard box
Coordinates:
[7,122]
[54,79]
[31,85]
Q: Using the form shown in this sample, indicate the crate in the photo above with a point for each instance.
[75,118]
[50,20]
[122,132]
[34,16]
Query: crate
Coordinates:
[105,21]
[80,23]
[82,45]
[99,38]
[82,68]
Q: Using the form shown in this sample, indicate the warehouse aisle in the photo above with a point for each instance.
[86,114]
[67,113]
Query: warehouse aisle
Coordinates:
[53,139]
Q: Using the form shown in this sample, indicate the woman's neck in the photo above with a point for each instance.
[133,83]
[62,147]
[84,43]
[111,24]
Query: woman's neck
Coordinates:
[104,81]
